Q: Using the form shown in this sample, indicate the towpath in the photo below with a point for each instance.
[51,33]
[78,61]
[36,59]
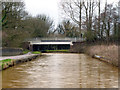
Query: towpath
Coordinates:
[17,57]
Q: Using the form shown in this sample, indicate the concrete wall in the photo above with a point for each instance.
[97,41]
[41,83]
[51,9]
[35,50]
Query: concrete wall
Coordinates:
[11,51]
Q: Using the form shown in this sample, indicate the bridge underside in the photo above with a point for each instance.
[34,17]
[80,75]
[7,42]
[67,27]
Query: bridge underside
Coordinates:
[37,47]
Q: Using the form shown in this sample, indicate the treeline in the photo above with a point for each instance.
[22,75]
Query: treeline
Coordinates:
[18,24]
[90,19]
[95,21]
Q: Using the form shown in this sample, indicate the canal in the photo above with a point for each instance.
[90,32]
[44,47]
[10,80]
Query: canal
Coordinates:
[57,70]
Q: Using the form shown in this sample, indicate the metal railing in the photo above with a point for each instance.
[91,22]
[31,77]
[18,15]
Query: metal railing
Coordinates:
[67,39]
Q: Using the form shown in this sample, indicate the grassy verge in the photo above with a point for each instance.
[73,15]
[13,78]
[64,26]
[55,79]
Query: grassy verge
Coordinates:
[26,51]
[36,52]
[110,52]
[5,63]
[57,51]
[107,52]
[6,60]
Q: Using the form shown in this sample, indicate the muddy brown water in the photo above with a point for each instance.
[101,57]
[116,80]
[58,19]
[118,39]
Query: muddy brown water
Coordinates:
[61,71]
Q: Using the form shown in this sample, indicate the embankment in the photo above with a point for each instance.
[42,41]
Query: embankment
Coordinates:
[103,52]
[8,62]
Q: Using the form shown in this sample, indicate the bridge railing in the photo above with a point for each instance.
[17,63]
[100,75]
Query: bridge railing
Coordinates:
[71,39]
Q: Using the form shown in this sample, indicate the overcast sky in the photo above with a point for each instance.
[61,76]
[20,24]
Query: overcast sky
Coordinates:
[48,7]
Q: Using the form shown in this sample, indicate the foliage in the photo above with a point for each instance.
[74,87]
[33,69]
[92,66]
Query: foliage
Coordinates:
[12,14]
[5,62]
[41,26]
[36,52]
[67,29]
[26,51]
[13,38]
[18,25]
[57,51]
[90,36]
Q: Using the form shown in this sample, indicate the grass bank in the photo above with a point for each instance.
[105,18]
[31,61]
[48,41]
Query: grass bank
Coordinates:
[32,52]
[37,52]
[108,53]
[5,63]
[57,51]
[104,52]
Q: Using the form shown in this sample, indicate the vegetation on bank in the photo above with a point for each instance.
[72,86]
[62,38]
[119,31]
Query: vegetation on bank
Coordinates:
[47,51]
[65,51]
[36,52]
[6,60]
[108,52]
[32,52]
[5,63]
[26,51]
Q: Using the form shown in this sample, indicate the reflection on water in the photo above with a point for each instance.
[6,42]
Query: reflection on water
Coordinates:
[61,71]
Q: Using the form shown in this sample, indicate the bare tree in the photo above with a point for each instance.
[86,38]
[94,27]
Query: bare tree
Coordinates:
[67,29]
[119,20]
[73,9]
[89,7]
[99,16]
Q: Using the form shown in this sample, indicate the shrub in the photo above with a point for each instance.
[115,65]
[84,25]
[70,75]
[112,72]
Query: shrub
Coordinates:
[26,51]
[90,36]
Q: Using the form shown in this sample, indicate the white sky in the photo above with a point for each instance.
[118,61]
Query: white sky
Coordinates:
[47,7]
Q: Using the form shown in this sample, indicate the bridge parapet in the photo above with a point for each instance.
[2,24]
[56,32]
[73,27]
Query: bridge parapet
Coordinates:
[56,39]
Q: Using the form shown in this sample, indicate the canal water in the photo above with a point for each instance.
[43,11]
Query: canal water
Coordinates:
[57,70]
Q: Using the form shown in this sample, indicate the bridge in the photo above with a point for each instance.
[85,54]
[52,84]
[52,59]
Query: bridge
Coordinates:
[42,44]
